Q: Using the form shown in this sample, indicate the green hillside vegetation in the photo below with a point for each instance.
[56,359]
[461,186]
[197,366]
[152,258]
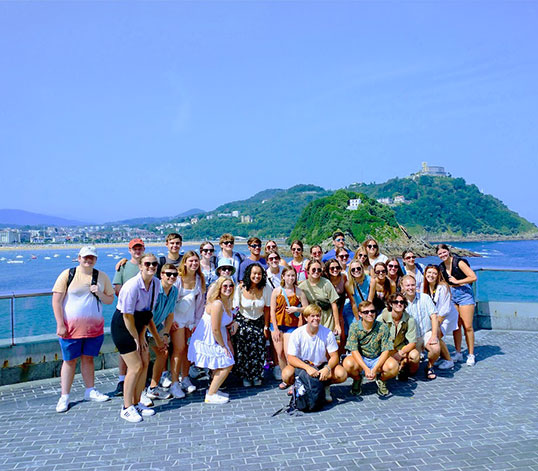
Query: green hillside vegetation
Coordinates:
[324,216]
[273,212]
[447,205]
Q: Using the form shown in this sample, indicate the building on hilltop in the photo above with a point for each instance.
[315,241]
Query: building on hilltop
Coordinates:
[353,204]
[431,171]
[384,200]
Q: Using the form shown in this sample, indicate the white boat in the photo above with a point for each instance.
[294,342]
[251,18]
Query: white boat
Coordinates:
[68,256]
[19,256]
[46,258]
[2,259]
[56,255]
[117,257]
[15,261]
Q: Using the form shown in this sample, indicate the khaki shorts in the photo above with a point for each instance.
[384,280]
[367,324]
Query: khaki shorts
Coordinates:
[421,341]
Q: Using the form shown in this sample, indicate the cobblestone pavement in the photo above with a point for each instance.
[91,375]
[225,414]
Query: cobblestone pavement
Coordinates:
[481,418]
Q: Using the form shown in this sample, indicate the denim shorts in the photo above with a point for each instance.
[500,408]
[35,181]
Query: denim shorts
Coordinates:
[462,295]
[283,328]
[74,348]
[370,362]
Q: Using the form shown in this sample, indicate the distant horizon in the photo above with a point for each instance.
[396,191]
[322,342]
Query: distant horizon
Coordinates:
[115,110]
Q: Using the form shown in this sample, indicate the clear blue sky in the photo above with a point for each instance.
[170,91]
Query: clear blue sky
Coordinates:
[112,110]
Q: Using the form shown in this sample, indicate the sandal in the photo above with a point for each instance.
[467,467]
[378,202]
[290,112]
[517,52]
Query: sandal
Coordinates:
[430,374]
[290,392]
[283,386]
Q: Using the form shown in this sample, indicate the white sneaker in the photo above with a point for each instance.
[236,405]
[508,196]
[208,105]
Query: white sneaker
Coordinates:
[144,411]
[158,393]
[457,357]
[277,373]
[95,396]
[216,399]
[470,360]
[166,380]
[176,391]
[63,403]
[328,396]
[445,365]
[223,394]
[131,414]
[144,399]
[187,385]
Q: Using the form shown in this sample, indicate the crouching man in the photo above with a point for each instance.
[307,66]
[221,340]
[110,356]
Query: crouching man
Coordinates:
[403,334]
[370,346]
[309,347]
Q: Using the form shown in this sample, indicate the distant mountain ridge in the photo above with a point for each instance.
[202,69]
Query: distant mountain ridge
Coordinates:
[19,217]
[156,220]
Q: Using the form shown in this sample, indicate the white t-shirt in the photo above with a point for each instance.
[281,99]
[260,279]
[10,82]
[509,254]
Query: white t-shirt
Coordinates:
[312,348]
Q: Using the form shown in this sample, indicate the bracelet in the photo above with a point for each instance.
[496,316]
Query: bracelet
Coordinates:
[166,335]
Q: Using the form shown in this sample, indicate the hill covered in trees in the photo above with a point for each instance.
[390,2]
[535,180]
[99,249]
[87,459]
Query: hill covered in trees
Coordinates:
[324,216]
[273,213]
[444,205]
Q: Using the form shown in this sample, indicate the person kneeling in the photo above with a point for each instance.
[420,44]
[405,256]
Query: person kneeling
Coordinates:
[403,334]
[308,349]
[373,339]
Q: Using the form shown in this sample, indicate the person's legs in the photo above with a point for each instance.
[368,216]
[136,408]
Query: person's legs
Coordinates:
[178,342]
[184,362]
[219,377]
[280,351]
[67,375]
[352,367]
[466,317]
[141,380]
[158,367]
[413,361]
[338,375]
[88,371]
[433,353]
[134,368]
[457,333]
[389,369]
[288,375]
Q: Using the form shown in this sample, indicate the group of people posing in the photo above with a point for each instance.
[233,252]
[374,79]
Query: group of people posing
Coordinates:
[334,315]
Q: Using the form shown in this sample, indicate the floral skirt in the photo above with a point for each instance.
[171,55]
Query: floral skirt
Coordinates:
[249,346]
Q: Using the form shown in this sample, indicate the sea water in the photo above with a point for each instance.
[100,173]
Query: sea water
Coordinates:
[37,270]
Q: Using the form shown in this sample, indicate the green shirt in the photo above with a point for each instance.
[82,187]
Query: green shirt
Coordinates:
[406,332]
[369,344]
[125,273]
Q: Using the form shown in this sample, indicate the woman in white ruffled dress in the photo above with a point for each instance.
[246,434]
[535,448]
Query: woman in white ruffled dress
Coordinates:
[210,345]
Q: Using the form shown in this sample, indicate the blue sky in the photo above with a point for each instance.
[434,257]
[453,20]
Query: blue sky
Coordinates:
[112,110]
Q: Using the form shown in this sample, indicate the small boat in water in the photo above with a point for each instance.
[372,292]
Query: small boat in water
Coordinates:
[46,258]
[15,261]
[33,257]
[19,256]
[56,255]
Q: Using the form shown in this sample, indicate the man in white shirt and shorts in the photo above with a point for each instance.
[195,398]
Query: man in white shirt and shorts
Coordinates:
[309,347]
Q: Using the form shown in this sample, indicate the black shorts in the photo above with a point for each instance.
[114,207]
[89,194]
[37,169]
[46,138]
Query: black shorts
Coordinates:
[121,336]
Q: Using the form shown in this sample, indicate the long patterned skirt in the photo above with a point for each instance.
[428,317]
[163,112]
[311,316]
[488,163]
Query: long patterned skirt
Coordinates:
[249,346]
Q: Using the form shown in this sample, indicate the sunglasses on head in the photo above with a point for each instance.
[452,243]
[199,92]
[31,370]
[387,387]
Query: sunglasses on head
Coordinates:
[151,264]
[170,274]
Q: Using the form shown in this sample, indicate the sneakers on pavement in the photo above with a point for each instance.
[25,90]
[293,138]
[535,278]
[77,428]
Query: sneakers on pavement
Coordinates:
[247,383]
[144,411]
[445,365]
[457,357]
[382,389]
[356,387]
[158,393]
[144,399]
[187,386]
[119,390]
[328,396]
[257,382]
[166,380]
[223,394]
[216,399]
[63,403]
[95,396]
[470,360]
[176,391]
[131,414]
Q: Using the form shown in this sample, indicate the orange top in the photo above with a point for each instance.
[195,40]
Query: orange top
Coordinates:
[282,317]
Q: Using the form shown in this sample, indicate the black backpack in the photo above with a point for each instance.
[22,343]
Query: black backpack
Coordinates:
[308,392]
[95,276]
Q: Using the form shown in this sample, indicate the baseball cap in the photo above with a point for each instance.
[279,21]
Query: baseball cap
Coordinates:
[136,242]
[87,250]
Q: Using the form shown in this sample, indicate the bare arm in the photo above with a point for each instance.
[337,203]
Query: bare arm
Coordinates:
[298,363]
[117,289]
[58,309]
[216,311]
[336,317]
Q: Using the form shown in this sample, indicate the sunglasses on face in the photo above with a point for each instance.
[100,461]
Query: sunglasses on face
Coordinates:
[227,286]
[315,270]
[410,257]
[343,257]
[208,250]
[225,269]
[381,272]
[400,302]
[334,268]
[273,259]
[228,242]
[316,254]
[296,249]
[269,247]
[151,264]
[340,239]
[363,255]
[372,246]
[393,266]
[354,270]
[170,274]
[368,311]
[255,246]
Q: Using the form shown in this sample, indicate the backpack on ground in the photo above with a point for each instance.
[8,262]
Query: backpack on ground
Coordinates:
[308,392]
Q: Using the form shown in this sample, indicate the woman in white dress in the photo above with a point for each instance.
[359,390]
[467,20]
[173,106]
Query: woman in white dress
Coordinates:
[210,344]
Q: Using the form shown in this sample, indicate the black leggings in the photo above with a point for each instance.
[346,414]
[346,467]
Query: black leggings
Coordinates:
[121,336]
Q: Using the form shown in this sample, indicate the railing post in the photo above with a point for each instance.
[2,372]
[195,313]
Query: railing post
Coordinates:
[12,319]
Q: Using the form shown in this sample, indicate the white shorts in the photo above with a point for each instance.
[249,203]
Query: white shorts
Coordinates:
[449,325]
[421,341]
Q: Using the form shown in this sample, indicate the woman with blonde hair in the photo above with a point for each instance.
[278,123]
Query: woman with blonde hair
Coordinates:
[188,311]
[210,345]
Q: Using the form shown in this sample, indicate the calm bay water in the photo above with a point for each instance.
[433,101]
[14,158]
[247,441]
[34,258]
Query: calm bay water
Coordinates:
[33,316]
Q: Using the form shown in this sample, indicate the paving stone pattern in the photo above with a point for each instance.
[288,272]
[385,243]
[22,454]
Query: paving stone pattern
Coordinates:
[481,418]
